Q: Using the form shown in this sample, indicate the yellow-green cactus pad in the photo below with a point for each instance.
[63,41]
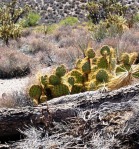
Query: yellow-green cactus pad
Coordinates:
[44,80]
[105,50]
[90,53]
[86,67]
[71,80]
[102,63]
[78,76]
[76,88]
[60,90]
[54,80]
[102,76]
[60,71]
[35,91]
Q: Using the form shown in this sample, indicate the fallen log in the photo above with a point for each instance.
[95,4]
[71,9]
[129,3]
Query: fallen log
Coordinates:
[12,120]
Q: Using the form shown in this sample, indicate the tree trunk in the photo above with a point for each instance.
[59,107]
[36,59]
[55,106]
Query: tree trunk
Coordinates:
[13,120]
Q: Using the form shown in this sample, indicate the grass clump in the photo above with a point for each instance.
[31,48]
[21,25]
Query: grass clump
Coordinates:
[69,21]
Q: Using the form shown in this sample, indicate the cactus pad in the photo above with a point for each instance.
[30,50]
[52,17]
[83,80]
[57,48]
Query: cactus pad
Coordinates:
[44,80]
[54,80]
[90,53]
[35,91]
[76,88]
[102,63]
[78,76]
[60,71]
[71,80]
[60,90]
[102,76]
[105,50]
[86,67]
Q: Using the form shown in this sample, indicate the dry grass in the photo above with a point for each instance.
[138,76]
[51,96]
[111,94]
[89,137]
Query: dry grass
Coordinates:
[13,63]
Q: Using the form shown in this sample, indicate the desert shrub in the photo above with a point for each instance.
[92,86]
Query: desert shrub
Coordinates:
[13,64]
[111,27]
[69,21]
[31,19]
[10,14]
[102,9]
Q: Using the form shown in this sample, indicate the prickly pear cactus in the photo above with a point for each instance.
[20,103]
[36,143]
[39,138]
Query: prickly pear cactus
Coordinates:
[60,71]
[78,76]
[44,80]
[76,88]
[54,80]
[105,50]
[60,90]
[102,63]
[90,53]
[71,80]
[35,91]
[86,67]
[102,76]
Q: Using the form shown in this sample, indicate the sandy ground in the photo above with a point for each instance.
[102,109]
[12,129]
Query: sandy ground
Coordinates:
[8,86]
[13,85]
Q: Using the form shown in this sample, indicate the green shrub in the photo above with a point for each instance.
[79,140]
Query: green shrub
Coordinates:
[32,19]
[69,21]
[136,18]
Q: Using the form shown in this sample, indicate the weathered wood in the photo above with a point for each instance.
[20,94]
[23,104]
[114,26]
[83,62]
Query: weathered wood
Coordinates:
[11,120]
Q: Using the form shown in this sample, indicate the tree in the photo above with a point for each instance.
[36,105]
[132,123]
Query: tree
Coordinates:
[10,14]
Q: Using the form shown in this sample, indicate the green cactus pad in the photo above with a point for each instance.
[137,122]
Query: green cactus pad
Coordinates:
[71,80]
[102,76]
[60,71]
[78,76]
[105,50]
[35,91]
[90,53]
[125,58]
[76,88]
[86,67]
[60,90]
[54,80]
[102,63]
[44,80]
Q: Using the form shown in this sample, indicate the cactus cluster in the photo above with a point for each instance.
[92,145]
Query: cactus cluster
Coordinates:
[90,73]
